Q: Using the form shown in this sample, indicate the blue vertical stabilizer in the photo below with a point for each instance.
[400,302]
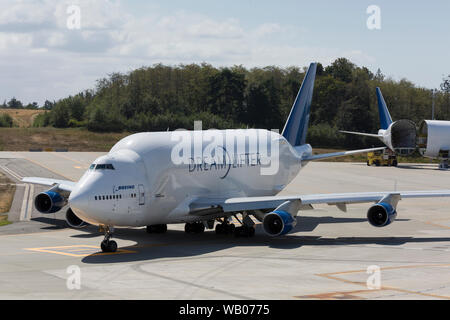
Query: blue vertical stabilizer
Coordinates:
[296,126]
[385,116]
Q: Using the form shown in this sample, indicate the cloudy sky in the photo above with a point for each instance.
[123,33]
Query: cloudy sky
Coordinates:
[42,58]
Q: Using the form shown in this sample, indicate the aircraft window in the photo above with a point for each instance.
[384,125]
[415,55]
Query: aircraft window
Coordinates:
[92,167]
[95,198]
[103,197]
[104,167]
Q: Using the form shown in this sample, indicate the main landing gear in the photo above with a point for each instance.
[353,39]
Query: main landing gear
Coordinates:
[107,244]
[159,229]
[196,227]
[225,228]
[246,230]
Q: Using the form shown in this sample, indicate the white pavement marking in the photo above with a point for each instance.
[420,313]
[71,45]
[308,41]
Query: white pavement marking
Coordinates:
[27,203]
[30,203]
[12,173]
[24,203]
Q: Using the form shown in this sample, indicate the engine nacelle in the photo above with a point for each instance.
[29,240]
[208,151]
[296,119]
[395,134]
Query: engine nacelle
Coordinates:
[381,215]
[73,221]
[49,202]
[279,223]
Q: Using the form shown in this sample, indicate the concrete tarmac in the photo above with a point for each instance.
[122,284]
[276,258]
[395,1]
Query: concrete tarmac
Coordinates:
[330,254]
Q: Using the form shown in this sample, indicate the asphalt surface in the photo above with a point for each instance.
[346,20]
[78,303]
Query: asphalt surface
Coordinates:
[326,257]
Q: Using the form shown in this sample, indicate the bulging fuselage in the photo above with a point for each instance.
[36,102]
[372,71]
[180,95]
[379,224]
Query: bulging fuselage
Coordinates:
[152,178]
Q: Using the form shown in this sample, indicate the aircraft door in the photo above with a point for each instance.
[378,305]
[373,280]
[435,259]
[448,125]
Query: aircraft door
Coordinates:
[141,195]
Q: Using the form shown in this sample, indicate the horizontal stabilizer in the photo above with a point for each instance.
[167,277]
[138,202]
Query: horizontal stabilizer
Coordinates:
[339,154]
[362,134]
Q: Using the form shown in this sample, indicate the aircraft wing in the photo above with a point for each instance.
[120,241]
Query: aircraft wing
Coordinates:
[338,199]
[64,185]
[339,154]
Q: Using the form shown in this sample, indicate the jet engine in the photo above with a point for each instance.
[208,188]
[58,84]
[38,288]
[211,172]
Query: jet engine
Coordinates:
[49,202]
[381,214]
[278,223]
[73,221]
[282,220]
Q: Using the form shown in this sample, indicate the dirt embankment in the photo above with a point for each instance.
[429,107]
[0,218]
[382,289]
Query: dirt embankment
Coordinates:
[22,118]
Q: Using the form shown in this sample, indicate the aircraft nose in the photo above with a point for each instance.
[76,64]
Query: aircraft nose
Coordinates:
[79,202]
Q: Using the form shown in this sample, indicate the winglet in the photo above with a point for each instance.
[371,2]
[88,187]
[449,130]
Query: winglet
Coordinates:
[296,126]
[385,116]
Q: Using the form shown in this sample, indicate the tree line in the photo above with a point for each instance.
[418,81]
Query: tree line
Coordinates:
[163,97]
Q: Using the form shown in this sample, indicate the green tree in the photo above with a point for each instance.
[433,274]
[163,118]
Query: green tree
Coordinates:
[341,69]
[15,104]
[226,93]
[60,116]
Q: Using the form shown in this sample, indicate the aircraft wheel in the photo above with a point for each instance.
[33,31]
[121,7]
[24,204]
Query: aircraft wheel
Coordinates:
[244,231]
[231,228]
[103,246]
[225,228]
[220,229]
[112,246]
[160,228]
[109,246]
[199,227]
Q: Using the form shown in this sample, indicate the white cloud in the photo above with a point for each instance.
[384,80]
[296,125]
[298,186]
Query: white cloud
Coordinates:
[41,59]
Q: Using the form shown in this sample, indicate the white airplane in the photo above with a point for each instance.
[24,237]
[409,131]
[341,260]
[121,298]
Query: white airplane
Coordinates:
[155,179]
[432,139]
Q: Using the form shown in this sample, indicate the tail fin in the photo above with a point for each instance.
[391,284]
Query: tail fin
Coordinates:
[385,116]
[296,126]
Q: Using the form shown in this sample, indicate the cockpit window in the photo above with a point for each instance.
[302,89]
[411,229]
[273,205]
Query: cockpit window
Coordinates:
[92,167]
[104,167]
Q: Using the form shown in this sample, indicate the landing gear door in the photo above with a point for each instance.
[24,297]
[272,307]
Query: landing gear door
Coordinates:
[141,195]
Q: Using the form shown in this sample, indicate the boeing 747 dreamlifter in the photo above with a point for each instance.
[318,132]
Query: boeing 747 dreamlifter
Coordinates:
[200,178]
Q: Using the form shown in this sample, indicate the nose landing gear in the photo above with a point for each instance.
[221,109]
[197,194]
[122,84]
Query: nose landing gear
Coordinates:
[107,244]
